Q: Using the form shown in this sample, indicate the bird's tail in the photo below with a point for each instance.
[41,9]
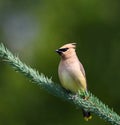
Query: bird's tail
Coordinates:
[87,115]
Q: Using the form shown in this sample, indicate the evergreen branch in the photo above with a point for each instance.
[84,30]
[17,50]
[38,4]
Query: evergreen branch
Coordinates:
[92,103]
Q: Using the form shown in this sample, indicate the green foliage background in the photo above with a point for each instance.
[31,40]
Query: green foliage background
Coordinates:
[33,30]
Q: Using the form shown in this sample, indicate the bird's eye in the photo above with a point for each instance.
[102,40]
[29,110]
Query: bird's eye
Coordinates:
[63,49]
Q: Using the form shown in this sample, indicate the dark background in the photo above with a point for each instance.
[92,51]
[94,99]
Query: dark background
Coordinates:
[33,30]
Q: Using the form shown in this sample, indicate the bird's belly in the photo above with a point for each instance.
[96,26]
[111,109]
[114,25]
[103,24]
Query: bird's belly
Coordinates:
[68,82]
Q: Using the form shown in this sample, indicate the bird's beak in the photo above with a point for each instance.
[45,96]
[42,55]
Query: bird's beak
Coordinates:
[58,51]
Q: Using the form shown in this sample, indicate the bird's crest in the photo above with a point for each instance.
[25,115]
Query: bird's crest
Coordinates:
[69,45]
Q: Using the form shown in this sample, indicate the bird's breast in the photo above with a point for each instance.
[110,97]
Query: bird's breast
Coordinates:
[72,79]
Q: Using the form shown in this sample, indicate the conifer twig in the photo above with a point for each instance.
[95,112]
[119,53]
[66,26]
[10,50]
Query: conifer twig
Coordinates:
[92,104]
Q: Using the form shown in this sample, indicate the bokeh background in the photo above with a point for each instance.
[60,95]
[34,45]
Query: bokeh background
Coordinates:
[33,30]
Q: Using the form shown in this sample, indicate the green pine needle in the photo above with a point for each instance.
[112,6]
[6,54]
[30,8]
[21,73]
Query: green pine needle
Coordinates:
[92,103]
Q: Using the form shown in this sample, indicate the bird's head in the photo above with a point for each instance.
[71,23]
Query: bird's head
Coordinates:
[67,50]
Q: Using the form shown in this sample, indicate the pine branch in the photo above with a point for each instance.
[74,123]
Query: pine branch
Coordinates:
[92,104]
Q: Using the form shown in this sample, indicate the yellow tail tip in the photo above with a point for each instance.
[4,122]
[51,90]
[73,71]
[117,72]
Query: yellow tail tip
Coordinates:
[87,118]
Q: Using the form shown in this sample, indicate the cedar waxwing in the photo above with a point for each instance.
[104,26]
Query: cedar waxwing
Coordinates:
[71,72]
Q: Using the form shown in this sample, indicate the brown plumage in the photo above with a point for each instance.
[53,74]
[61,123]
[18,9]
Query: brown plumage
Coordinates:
[71,72]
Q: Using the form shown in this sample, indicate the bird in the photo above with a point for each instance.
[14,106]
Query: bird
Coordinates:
[71,72]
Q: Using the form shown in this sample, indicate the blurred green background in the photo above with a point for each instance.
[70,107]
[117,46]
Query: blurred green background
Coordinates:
[33,30]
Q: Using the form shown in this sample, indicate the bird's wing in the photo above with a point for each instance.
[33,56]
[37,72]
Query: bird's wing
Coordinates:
[82,69]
